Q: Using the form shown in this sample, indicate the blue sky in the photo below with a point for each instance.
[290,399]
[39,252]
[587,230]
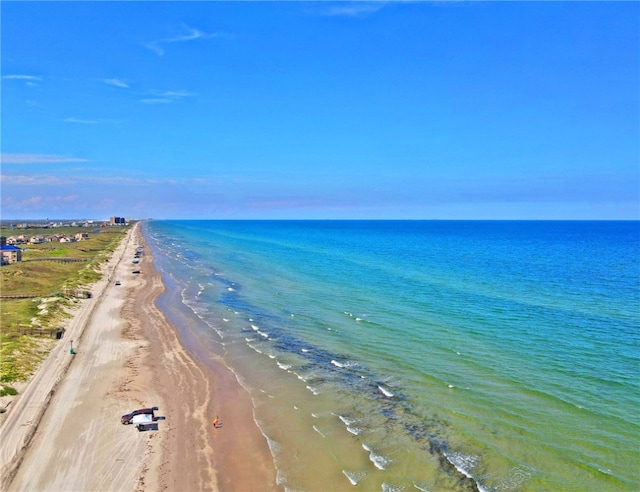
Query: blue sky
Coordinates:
[262,110]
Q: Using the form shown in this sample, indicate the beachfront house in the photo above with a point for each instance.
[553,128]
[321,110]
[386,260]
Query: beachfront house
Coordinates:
[10,252]
[21,239]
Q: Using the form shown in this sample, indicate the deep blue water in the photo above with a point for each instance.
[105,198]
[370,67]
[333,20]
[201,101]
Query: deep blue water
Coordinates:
[403,355]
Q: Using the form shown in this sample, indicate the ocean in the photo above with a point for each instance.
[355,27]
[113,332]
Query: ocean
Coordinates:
[423,355]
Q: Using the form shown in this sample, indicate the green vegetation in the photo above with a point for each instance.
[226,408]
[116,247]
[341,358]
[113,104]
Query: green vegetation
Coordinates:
[7,390]
[45,277]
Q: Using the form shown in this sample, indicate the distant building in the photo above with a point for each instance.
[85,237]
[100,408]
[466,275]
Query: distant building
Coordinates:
[10,252]
[117,221]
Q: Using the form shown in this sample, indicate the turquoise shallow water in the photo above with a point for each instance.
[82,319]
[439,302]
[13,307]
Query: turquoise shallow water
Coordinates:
[435,355]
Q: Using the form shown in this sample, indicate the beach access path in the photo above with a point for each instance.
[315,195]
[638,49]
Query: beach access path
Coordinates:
[64,431]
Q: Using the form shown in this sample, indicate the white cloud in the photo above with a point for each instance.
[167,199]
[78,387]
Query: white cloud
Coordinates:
[116,83]
[81,121]
[40,202]
[37,159]
[52,179]
[29,78]
[173,94]
[156,101]
[355,9]
[165,97]
[34,180]
[191,34]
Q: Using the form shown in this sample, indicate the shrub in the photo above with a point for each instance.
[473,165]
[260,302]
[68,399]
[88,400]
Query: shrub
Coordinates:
[7,390]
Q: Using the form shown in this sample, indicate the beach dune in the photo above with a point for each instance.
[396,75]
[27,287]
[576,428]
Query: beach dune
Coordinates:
[64,431]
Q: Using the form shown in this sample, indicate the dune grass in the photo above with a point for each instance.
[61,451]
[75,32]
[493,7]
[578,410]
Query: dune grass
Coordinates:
[46,274]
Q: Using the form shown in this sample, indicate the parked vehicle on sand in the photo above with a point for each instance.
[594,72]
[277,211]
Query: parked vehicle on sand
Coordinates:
[143,419]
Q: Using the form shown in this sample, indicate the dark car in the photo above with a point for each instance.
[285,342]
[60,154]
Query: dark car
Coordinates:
[128,417]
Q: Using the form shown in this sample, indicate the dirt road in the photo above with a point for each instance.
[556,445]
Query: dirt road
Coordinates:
[79,443]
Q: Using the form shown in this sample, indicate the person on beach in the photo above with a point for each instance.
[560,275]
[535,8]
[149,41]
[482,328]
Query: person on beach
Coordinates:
[216,421]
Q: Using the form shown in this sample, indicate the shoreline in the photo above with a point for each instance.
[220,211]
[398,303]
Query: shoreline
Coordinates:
[130,356]
[211,390]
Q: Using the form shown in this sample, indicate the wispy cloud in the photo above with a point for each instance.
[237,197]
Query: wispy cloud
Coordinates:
[52,179]
[37,159]
[165,97]
[35,180]
[81,121]
[29,78]
[190,34]
[39,202]
[354,9]
[155,101]
[116,83]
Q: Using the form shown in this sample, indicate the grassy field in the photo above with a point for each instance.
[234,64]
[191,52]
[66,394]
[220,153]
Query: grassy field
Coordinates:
[45,276]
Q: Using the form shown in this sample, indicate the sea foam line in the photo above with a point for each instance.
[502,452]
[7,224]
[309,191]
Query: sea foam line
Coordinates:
[318,431]
[464,464]
[348,423]
[354,477]
[385,392]
[378,460]
[344,365]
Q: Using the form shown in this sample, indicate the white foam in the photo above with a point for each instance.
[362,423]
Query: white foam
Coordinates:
[385,392]
[349,425]
[464,464]
[421,486]
[318,431]
[304,350]
[389,487]
[354,477]
[225,320]
[274,446]
[231,289]
[313,390]
[354,430]
[255,348]
[284,367]
[344,365]
[255,328]
[379,461]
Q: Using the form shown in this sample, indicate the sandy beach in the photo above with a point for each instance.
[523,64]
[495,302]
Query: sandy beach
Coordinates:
[63,432]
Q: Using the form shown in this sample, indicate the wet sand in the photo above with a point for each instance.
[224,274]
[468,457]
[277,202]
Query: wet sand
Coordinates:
[129,356]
